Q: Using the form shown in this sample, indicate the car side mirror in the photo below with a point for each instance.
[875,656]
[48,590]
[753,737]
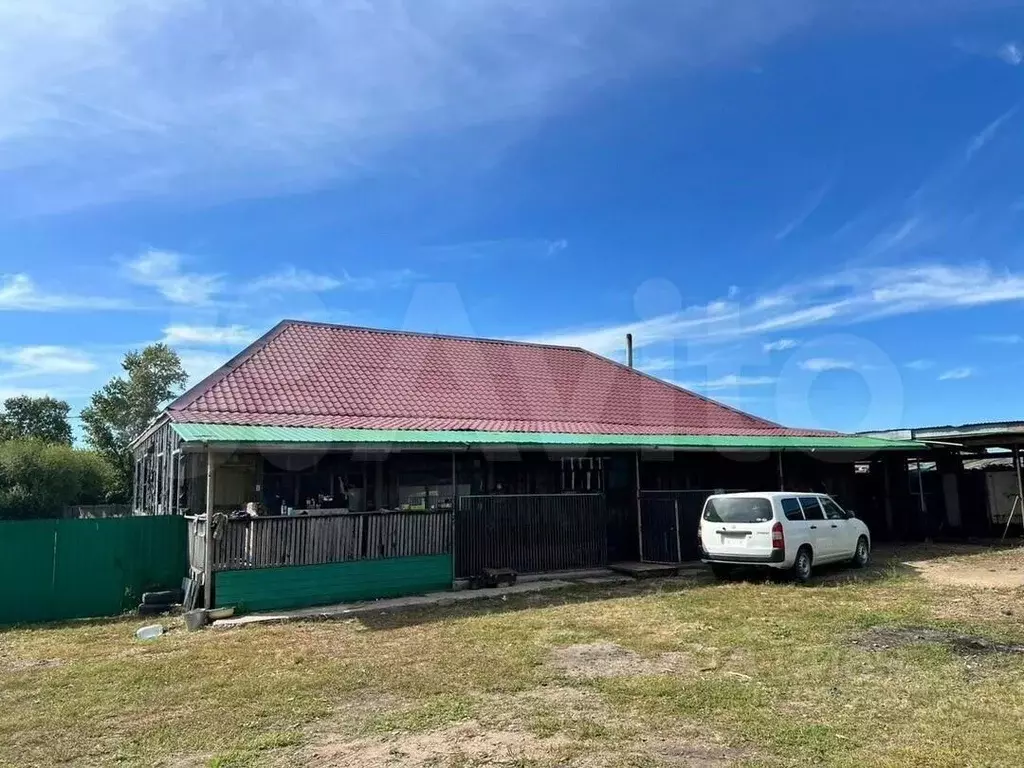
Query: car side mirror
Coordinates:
[850,513]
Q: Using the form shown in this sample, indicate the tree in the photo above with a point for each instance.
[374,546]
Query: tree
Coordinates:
[38,479]
[35,418]
[125,406]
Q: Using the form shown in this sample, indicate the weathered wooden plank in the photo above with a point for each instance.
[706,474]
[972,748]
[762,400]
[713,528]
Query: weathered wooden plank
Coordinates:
[275,541]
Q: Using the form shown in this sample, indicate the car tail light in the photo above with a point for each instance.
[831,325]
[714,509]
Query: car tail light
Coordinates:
[778,537]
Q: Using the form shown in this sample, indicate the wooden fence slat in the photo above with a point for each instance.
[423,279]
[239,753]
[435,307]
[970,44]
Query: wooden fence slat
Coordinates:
[267,542]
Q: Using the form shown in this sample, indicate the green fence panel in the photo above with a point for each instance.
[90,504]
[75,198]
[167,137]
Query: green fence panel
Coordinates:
[301,586]
[68,569]
[26,570]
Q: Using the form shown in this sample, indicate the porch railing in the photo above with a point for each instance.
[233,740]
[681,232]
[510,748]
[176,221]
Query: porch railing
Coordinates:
[531,533]
[267,542]
[669,521]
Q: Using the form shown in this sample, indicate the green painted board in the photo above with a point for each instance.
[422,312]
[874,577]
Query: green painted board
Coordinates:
[68,569]
[301,586]
[235,433]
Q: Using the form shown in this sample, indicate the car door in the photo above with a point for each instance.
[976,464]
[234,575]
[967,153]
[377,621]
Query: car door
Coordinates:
[818,531]
[844,534]
[795,526]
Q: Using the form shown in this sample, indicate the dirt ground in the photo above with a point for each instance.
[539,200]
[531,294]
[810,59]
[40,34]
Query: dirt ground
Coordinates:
[860,667]
[966,565]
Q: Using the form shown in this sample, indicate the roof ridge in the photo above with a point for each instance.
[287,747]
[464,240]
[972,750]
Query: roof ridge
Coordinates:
[429,335]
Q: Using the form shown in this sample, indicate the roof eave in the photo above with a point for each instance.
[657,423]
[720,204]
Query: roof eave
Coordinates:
[315,438]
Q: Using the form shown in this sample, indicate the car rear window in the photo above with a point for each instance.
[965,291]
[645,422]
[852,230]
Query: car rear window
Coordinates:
[792,509]
[738,510]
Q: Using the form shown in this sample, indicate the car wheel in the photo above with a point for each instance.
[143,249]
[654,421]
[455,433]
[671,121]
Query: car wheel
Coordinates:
[802,565]
[862,554]
[722,572]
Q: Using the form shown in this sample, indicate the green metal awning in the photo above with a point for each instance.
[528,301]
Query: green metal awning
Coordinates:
[234,434]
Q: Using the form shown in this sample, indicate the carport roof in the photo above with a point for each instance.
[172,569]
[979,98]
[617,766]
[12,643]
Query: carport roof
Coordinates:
[987,434]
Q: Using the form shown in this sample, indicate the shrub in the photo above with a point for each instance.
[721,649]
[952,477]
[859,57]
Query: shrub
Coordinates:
[39,479]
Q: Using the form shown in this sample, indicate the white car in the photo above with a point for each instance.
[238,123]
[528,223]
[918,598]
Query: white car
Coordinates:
[785,531]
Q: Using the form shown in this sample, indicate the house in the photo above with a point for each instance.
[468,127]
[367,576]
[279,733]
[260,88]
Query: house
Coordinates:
[542,457]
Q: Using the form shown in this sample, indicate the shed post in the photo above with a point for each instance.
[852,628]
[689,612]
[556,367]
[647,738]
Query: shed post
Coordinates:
[887,490]
[1020,491]
[922,506]
[639,517]
[1016,468]
[208,543]
[782,475]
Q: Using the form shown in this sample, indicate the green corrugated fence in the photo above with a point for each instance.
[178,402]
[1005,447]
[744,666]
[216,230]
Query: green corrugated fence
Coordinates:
[300,586]
[67,569]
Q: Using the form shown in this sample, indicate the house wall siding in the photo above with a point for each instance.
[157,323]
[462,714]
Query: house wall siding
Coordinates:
[299,586]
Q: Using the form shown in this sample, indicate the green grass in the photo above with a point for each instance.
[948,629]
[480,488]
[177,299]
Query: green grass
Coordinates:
[768,675]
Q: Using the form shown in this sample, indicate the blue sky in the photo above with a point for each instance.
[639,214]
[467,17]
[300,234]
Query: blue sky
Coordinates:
[813,211]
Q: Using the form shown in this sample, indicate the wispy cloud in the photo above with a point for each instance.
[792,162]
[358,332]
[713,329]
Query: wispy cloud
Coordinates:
[1011,53]
[780,345]
[844,298]
[506,248]
[986,134]
[42,360]
[98,104]
[293,279]
[730,381]
[656,365]
[296,280]
[19,292]
[1001,338]
[956,373]
[920,365]
[807,210]
[893,238]
[210,335]
[163,271]
[821,364]
[557,246]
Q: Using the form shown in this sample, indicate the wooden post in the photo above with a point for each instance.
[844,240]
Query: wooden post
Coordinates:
[455,511]
[639,517]
[887,490]
[782,476]
[679,546]
[920,490]
[378,483]
[208,559]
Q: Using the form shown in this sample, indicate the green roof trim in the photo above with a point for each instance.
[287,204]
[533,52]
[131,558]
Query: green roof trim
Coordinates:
[241,434]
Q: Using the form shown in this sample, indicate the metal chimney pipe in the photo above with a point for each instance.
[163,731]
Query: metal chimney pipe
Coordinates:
[629,349]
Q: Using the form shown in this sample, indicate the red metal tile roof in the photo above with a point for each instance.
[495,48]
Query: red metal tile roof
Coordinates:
[313,375]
